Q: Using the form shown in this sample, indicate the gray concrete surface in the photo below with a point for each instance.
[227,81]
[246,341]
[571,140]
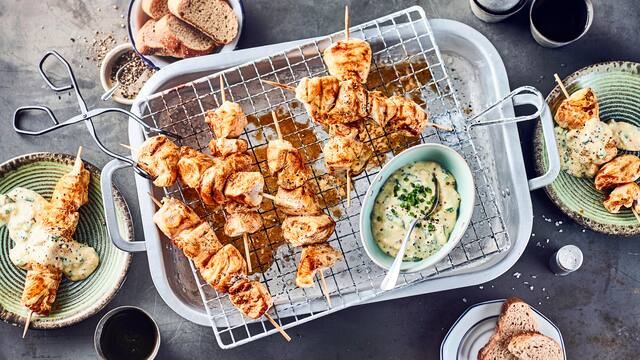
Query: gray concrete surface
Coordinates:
[598,308]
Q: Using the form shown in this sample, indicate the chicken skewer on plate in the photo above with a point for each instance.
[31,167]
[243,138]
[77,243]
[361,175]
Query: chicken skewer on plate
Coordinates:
[57,223]
[222,267]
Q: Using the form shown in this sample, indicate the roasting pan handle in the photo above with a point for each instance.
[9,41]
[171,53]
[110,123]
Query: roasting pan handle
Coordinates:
[549,140]
[108,203]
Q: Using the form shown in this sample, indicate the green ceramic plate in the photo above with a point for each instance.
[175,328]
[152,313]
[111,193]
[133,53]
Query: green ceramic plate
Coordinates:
[76,301]
[617,87]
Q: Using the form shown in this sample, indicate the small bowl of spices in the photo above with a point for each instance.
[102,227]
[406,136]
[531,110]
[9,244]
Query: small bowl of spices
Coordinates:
[123,74]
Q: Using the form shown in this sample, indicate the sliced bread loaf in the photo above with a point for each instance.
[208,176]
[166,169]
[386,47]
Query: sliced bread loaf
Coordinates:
[182,40]
[155,8]
[534,346]
[213,17]
[515,317]
[148,41]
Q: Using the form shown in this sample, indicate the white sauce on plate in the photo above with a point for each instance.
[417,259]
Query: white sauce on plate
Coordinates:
[626,135]
[32,244]
[408,193]
[582,150]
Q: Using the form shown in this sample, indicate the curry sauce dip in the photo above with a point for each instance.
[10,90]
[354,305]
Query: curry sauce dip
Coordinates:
[408,194]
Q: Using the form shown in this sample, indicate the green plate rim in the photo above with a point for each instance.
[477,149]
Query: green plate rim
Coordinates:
[43,322]
[540,166]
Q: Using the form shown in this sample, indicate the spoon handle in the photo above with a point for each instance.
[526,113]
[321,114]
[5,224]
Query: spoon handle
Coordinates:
[389,281]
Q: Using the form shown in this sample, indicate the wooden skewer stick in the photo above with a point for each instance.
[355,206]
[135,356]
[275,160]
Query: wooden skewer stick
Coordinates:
[559,81]
[441,127]
[77,165]
[155,201]
[26,323]
[325,288]
[275,122]
[129,147]
[278,327]
[635,213]
[224,97]
[281,86]
[247,254]
[348,188]
[346,22]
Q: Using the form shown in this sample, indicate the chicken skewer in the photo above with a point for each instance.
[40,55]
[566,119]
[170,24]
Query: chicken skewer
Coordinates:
[222,267]
[59,219]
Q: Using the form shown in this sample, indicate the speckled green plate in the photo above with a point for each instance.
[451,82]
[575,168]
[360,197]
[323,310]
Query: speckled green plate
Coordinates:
[617,87]
[75,301]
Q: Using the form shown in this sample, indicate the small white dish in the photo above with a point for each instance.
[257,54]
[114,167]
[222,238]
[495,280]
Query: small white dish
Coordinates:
[105,71]
[475,326]
[451,161]
[136,19]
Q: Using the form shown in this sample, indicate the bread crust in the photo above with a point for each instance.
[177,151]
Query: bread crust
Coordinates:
[172,44]
[520,341]
[497,339]
[179,7]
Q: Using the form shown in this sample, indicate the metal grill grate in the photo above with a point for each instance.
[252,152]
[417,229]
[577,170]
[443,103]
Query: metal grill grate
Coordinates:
[406,60]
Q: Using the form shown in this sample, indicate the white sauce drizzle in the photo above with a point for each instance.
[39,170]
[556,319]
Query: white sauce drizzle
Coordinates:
[626,135]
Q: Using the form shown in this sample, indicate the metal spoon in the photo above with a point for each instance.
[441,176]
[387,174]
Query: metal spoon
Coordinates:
[109,93]
[389,281]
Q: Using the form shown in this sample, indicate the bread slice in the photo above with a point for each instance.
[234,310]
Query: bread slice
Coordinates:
[148,41]
[534,346]
[155,8]
[213,17]
[515,317]
[182,40]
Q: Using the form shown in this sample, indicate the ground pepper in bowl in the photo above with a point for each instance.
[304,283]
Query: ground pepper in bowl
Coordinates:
[133,76]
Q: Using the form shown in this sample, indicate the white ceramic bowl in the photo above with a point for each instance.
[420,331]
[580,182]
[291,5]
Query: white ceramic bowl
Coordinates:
[136,19]
[451,161]
[105,71]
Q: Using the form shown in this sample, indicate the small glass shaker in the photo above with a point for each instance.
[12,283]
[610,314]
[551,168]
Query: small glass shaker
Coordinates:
[566,260]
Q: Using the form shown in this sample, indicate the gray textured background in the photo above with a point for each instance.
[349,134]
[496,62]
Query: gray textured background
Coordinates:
[598,308]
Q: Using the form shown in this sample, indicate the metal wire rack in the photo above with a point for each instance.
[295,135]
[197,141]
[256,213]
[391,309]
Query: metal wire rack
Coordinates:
[406,60]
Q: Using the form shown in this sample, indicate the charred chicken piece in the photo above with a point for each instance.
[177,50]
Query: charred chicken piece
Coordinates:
[408,117]
[241,220]
[250,297]
[621,170]
[224,268]
[346,154]
[174,217]
[627,195]
[295,173]
[350,105]
[315,258]
[307,230]
[60,222]
[40,288]
[277,151]
[71,190]
[349,59]
[246,188]
[380,108]
[159,157]
[199,243]
[192,165]
[318,94]
[575,111]
[227,121]
[300,201]
[212,183]
[344,131]
[223,146]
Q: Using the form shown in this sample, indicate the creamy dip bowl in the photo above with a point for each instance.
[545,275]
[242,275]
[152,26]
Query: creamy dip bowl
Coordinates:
[450,161]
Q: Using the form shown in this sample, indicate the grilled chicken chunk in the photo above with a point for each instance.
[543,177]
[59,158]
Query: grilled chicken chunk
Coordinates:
[225,267]
[159,157]
[227,121]
[60,222]
[40,288]
[380,108]
[346,154]
[245,187]
[250,297]
[575,111]
[318,94]
[199,243]
[192,165]
[71,190]
[350,105]
[627,195]
[174,217]
[241,220]
[344,131]
[348,59]
[307,230]
[295,173]
[215,178]
[408,117]
[300,201]
[315,258]
[223,146]
[277,151]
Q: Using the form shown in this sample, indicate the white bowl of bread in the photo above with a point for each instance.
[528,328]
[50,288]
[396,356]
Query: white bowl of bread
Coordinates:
[163,31]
